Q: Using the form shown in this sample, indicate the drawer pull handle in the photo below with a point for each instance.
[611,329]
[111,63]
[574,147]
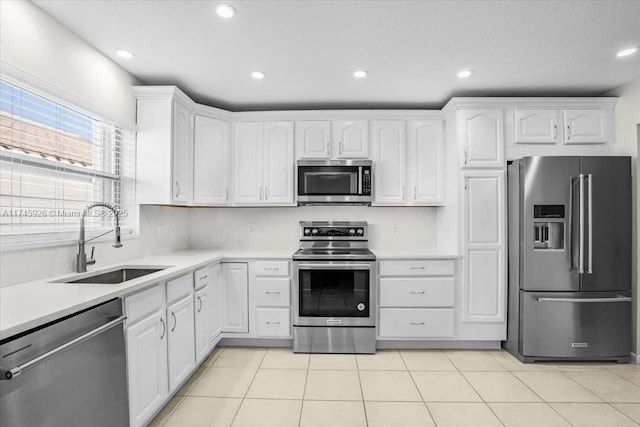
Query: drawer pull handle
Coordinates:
[272,268]
[416,323]
[273,323]
[206,276]
[272,293]
[417,268]
[417,292]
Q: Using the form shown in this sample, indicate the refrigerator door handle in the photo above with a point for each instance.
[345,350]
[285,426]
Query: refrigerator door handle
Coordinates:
[581,232]
[614,299]
[590,215]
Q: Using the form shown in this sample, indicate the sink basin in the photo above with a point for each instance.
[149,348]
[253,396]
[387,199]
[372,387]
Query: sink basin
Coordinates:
[115,277]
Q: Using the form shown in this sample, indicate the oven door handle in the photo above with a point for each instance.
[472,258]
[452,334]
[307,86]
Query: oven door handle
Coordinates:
[328,266]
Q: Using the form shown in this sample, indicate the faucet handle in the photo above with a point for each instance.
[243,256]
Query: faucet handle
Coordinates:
[91,260]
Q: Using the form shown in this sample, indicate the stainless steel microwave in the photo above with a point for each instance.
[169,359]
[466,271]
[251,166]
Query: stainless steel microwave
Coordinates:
[335,182]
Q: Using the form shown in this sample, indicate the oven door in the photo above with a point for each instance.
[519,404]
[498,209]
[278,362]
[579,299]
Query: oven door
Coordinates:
[334,293]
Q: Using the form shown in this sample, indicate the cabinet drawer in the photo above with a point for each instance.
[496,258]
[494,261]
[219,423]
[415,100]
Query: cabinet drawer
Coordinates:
[444,267]
[271,268]
[416,291]
[201,277]
[273,322]
[416,322]
[179,287]
[272,292]
[143,303]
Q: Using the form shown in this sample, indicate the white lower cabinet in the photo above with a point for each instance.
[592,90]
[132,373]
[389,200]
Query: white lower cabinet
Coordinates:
[180,323]
[235,303]
[215,302]
[202,322]
[417,299]
[146,335]
[270,299]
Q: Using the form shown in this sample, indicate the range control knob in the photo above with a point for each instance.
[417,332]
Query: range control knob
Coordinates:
[307,231]
[360,231]
[360,307]
[352,231]
[314,231]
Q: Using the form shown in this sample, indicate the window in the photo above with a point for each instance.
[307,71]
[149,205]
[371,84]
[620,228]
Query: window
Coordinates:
[54,161]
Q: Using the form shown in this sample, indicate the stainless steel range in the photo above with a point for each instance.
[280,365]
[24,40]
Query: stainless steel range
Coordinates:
[334,289]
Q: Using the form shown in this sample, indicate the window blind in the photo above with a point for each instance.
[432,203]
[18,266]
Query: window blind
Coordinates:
[54,161]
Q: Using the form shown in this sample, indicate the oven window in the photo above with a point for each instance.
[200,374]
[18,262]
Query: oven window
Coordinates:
[327,181]
[334,293]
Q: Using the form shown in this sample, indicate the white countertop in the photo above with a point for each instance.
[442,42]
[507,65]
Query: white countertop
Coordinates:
[28,305]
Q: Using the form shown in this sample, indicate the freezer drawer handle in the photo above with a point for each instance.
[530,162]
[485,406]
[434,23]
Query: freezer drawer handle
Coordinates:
[616,299]
[14,372]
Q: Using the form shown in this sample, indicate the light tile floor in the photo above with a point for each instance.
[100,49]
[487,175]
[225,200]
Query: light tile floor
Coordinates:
[275,387]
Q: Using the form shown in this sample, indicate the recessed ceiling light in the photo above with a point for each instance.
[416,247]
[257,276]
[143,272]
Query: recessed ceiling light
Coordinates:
[258,75]
[464,74]
[360,74]
[627,52]
[225,11]
[124,53]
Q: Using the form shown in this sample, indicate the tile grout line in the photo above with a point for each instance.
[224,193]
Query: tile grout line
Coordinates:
[618,410]
[366,418]
[417,388]
[476,391]
[304,390]
[248,388]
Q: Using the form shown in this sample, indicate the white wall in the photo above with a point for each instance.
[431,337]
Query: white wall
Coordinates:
[36,44]
[627,143]
[36,47]
[278,229]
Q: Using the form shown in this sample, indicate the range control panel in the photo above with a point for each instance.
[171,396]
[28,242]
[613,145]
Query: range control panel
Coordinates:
[333,231]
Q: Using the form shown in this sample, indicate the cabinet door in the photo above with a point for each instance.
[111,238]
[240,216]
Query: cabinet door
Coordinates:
[585,127]
[247,163]
[350,139]
[536,126]
[216,300]
[278,163]
[313,139]
[390,172]
[482,138]
[181,173]
[235,302]
[180,321]
[484,288]
[427,160]
[202,322]
[147,367]
[210,161]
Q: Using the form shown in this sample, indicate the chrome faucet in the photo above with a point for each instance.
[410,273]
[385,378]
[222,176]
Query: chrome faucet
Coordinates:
[81,258]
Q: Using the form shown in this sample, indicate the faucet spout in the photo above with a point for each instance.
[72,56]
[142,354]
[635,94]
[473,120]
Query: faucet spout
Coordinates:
[81,257]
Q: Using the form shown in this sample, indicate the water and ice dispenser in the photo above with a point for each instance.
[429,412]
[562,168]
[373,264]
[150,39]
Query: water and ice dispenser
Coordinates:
[548,227]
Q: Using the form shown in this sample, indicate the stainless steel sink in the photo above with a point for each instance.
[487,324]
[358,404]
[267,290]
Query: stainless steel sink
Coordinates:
[113,277]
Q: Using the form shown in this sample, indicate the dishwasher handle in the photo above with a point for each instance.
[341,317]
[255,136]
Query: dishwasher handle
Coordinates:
[8,374]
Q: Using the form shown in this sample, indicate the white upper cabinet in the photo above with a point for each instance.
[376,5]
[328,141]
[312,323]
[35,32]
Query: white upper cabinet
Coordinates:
[263,169]
[482,138]
[163,168]
[210,161]
[389,162]
[248,162]
[426,154]
[325,139]
[181,153]
[313,139]
[350,139]
[536,126]
[278,178]
[586,126]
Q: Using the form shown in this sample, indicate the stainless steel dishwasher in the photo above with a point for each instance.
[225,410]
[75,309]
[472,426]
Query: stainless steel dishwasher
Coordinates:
[71,372]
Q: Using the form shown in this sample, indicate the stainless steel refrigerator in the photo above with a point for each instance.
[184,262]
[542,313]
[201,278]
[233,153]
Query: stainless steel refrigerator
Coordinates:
[569,258]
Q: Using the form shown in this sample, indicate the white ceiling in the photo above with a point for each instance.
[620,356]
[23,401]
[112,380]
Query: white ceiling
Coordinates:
[412,49]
